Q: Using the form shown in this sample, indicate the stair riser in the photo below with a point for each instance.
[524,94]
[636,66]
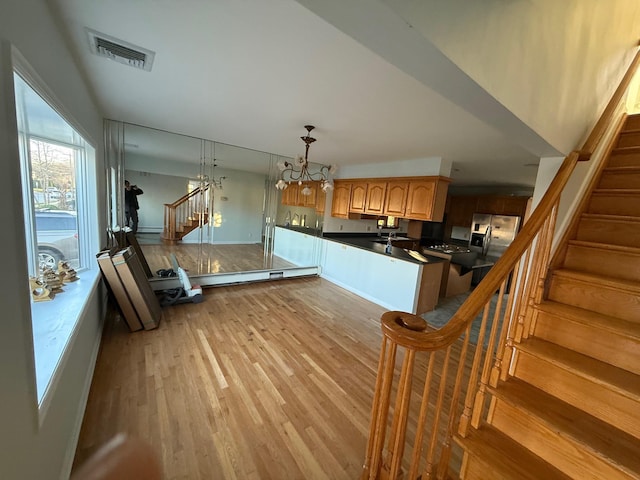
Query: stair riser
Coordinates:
[597,298]
[626,234]
[615,204]
[620,179]
[632,123]
[605,345]
[564,454]
[476,470]
[624,160]
[602,402]
[630,139]
[622,265]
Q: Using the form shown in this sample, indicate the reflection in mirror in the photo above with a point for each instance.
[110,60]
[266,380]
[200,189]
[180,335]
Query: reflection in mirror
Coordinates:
[215,206]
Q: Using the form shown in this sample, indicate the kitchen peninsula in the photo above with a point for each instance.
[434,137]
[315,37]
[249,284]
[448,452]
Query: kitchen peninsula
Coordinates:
[396,280]
[358,263]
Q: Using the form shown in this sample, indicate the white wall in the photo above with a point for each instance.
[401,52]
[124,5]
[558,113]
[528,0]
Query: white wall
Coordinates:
[157,190]
[554,64]
[404,168]
[238,205]
[29,450]
[540,72]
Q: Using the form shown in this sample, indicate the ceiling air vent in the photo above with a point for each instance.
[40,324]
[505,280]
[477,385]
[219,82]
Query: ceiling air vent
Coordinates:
[120,51]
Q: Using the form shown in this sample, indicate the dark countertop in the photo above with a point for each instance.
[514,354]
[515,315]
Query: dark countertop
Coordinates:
[372,243]
[308,230]
[467,260]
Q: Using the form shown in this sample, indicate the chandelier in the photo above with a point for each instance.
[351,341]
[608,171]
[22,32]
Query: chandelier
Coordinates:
[298,170]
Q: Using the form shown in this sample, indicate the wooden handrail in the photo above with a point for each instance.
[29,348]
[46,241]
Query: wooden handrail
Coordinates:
[186,197]
[393,325]
[180,213]
[607,116]
[520,273]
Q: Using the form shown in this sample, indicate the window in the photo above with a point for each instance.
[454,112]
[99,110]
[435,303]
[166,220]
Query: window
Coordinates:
[55,165]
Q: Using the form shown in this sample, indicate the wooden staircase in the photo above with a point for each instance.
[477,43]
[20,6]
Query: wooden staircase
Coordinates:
[185,215]
[537,374]
[569,404]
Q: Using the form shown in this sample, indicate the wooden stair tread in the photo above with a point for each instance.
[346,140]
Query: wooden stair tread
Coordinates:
[616,379]
[615,325]
[606,246]
[616,191]
[506,458]
[612,218]
[600,280]
[572,423]
[621,169]
[625,150]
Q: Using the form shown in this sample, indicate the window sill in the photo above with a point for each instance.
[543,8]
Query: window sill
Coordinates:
[54,323]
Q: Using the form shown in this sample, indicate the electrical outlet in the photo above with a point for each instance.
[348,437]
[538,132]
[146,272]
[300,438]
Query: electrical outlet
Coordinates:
[368,228]
[340,226]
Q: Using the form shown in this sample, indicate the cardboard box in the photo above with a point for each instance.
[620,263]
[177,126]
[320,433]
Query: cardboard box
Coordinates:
[137,286]
[117,288]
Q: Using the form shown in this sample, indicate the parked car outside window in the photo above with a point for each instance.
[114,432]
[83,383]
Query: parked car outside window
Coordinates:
[57,233]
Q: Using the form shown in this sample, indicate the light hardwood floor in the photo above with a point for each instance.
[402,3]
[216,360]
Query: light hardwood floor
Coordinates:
[260,381]
[207,258]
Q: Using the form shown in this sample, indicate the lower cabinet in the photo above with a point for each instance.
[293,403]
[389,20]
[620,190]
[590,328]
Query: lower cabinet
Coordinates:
[388,281]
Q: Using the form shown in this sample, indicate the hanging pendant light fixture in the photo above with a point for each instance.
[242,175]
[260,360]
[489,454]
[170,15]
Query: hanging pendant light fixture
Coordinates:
[298,170]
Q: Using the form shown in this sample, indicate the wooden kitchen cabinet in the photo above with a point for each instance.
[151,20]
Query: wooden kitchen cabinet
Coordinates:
[358,197]
[374,204]
[308,200]
[461,210]
[426,199]
[414,198]
[290,195]
[502,205]
[396,198]
[293,196]
[341,199]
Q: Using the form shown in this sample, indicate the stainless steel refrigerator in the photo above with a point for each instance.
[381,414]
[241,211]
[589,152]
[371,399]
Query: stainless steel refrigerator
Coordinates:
[492,234]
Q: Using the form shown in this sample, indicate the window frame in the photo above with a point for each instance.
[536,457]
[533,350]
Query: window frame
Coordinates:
[79,294]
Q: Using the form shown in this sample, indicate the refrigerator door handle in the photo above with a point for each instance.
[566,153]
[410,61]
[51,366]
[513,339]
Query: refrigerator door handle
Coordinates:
[487,241]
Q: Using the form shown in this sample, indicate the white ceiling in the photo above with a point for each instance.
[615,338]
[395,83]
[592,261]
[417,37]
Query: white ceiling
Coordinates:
[254,72]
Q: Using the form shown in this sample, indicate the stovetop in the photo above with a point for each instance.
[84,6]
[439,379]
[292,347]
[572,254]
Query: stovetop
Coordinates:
[447,248]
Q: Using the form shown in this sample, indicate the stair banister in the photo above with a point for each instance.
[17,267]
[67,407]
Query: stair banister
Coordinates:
[443,337]
[180,212]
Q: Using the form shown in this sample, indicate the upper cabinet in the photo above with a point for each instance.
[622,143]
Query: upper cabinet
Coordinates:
[462,207]
[308,200]
[426,199]
[358,201]
[375,198]
[341,199]
[461,210]
[290,195]
[396,198]
[416,198]
[293,196]
[502,205]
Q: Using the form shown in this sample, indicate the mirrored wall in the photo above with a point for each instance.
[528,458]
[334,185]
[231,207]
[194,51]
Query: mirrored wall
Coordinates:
[214,207]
